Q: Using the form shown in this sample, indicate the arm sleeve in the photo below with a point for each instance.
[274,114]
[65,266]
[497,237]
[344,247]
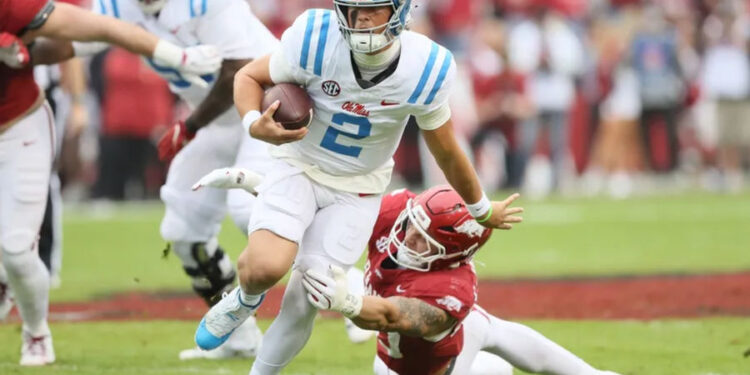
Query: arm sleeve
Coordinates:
[228,26]
[284,64]
[436,112]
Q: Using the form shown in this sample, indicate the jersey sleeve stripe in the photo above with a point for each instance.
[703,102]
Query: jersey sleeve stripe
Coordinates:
[441,76]
[425,74]
[102,7]
[204,7]
[192,9]
[308,36]
[115,11]
[322,37]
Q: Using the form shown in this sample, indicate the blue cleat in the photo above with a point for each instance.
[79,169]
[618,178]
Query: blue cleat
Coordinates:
[222,319]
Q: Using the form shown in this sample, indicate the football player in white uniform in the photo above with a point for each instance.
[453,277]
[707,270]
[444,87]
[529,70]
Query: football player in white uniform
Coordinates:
[365,77]
[209,138]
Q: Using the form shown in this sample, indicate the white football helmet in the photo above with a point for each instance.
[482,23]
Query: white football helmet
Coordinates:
[370,40]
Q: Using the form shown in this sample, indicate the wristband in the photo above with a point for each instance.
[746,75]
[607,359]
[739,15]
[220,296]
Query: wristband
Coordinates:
[352,306]
[486,217]
[480,208]
[248,119]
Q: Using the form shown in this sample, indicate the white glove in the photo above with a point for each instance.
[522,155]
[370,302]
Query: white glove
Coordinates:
[231,178]
[192,62]
[331,292]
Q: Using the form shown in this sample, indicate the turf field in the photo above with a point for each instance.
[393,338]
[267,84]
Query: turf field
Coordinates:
[116,249]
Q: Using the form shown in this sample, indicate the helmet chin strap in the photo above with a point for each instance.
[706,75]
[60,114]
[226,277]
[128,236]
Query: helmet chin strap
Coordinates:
[406,260]
[379,59]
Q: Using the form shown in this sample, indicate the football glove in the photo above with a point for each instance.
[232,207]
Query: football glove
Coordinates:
[231,178]
[12,51]
[174,140]
[331,292]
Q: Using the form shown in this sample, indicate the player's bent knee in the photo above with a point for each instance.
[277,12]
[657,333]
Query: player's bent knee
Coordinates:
[17,241]
[19,263]
[260,274]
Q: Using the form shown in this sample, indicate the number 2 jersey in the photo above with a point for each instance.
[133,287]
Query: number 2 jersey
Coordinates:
[452,290]
[229,25]
[355,131]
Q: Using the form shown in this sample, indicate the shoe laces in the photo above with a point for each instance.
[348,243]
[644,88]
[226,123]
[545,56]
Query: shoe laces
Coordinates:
[35,346]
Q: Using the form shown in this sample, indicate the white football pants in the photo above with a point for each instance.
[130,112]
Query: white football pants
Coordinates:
[26,153]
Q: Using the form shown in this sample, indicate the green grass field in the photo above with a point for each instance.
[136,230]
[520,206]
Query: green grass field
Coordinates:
[119,249]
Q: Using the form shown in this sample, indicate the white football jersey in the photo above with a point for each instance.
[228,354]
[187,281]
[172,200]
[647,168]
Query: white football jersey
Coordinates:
[229,25]
[355,131]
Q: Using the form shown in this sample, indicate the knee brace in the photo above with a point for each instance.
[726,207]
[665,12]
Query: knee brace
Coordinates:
[209,267]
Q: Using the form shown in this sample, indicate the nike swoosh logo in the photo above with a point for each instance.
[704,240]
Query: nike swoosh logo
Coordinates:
[399,289]
[387,103]
[28,143]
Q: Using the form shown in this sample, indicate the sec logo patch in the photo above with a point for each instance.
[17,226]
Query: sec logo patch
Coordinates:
[331,88]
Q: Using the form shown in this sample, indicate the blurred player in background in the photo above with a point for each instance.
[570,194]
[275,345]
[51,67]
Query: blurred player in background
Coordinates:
[324,190]
[208,138]
[27,139]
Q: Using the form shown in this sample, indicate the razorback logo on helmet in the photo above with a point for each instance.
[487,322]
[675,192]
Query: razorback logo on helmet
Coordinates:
[451,303]
[471,228]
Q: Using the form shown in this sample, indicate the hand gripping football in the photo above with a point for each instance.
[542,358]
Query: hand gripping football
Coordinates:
[296,108]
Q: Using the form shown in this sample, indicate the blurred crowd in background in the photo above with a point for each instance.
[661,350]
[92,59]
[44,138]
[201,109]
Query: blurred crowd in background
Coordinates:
[579,97]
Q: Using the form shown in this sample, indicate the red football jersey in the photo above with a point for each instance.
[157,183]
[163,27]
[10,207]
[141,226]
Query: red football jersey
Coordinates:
[18,91]
[453,290]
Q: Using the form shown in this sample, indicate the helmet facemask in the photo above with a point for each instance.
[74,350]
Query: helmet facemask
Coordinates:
[151,6]
[414,216]
[377,38]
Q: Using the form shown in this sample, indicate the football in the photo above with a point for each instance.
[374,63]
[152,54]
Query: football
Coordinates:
[295,110]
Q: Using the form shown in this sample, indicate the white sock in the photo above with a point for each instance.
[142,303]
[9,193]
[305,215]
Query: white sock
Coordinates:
[250,300]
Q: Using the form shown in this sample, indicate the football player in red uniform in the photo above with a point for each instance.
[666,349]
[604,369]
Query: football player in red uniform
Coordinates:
[421,298]
[421,290]
[418,277]
[26,140]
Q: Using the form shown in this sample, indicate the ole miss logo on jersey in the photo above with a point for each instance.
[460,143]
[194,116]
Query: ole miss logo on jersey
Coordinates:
[331,88]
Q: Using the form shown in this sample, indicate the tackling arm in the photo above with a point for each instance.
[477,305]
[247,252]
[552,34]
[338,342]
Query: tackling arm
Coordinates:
[407,316]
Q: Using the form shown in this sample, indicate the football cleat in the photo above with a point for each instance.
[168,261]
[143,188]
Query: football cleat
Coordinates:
[222,319]
[243,343]
[36,351]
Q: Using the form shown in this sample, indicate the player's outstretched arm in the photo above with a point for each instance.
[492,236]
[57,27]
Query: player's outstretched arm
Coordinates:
[408,316]
[461,175]
[68,22]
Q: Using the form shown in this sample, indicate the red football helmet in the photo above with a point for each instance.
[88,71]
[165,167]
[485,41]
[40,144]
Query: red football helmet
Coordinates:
[440,216]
